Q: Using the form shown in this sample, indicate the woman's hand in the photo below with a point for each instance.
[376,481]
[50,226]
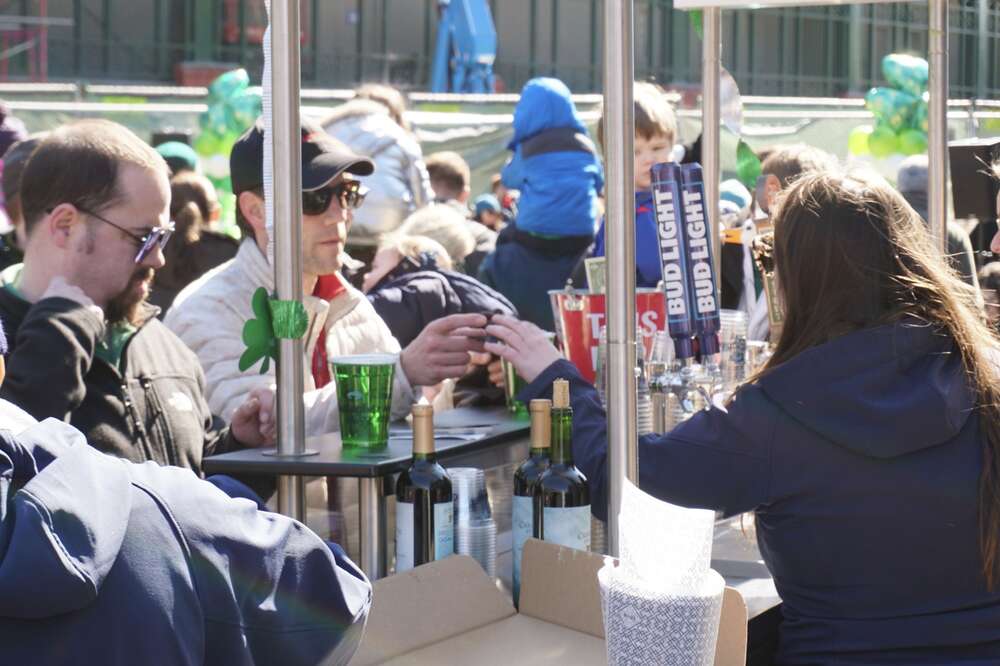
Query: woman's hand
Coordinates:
[523,344]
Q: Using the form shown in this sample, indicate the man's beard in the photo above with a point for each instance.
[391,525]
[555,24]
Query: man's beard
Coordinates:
[126,305]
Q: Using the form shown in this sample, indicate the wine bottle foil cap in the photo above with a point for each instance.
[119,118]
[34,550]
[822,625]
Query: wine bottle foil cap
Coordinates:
[560,394]
[541,423]
[423,429]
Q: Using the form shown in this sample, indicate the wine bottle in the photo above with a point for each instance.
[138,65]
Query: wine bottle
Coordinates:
[425,524]
[525,478]
[562,496]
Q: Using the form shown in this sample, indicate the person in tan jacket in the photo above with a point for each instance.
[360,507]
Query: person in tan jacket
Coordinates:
[209,314]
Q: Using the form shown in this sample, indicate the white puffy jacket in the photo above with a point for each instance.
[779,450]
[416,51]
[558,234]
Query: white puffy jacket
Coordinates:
[400,184]
[208,315]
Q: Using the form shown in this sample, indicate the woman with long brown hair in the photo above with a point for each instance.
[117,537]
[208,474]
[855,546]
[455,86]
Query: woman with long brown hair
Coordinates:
[868,447]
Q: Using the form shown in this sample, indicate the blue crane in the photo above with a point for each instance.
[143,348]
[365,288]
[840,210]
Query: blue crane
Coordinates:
[466,47]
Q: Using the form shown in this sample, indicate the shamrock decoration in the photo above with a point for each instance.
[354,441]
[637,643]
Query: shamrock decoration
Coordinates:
[232,108]
[258,335]
[273,320]
[900,111]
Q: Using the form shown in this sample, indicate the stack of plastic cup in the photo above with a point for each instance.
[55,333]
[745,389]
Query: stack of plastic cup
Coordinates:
[475,529]
[733,340]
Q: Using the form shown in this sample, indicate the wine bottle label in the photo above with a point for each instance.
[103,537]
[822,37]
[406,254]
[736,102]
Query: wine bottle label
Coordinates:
[521,526]
[404,536]
[444,530]
[567,526]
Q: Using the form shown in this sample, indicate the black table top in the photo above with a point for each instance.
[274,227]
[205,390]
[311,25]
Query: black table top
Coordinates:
[457,432]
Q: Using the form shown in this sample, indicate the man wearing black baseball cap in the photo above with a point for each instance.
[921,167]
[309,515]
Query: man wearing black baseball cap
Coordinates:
[209,314]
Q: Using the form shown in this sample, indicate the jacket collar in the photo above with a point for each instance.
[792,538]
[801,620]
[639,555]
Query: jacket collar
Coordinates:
[260,274]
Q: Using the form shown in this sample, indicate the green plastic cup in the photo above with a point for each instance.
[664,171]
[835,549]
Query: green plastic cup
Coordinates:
[512,385]
[364,398]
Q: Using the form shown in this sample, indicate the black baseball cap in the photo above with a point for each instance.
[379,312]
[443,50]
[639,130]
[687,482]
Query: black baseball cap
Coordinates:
[323,159]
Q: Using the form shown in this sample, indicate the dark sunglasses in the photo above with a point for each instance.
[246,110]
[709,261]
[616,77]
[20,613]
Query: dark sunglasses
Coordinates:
[350,194]
[157,236]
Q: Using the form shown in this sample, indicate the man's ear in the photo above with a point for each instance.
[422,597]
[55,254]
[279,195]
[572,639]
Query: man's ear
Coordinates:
[59,224]
[252,207]
[464,196]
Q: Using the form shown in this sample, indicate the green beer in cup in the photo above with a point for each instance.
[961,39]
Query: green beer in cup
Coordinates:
[364,398]
[513,383]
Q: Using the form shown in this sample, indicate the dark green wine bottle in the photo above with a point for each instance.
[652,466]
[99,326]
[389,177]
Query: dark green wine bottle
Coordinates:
[425,524]
[525,478]
[562,496]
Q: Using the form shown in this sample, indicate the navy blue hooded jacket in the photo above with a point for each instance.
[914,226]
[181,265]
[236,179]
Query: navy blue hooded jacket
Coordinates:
[648,266]
[554,165]
[861,458]
[409,301]
[103,561]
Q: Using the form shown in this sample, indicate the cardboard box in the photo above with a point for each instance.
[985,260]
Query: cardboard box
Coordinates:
[451,612]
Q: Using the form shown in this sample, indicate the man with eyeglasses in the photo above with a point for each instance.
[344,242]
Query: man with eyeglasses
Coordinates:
[86,348]
[210,313]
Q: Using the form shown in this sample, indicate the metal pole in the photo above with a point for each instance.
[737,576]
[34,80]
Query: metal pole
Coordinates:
[372,527]
[287,205]
[982,48]
[619,142]
[937,135]
[710,119]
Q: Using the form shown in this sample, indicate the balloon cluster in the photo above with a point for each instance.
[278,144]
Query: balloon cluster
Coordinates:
[900,111]
[232,108]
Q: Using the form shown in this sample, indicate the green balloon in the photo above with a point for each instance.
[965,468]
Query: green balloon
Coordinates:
[912,142]
[228,84]
[246,108]
[218,119]
[905,72]
[857,142]
[920,117]
[892,107]
[883,142]
[207,143]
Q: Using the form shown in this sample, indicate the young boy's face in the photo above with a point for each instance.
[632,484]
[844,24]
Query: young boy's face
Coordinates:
[654,150]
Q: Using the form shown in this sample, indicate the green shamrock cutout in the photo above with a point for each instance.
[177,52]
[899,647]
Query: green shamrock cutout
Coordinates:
[273,320]
[258,335]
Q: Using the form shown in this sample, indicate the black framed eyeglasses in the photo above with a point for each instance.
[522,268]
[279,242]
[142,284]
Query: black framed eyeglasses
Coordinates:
[350,194]
[157,236]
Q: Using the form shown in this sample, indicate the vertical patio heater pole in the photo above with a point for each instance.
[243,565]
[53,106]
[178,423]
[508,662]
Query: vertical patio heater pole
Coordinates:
[710,114]
[620,235]
[287,206]
[937,112]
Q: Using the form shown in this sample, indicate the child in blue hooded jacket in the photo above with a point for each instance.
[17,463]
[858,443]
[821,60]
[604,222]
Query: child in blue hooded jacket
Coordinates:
[655,134]
[556,169]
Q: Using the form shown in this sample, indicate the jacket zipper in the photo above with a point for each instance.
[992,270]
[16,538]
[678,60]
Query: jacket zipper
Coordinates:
[138,429]
[156,413]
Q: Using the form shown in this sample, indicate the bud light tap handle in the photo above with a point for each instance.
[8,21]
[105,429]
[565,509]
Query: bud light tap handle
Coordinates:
[666,179]
[698,230]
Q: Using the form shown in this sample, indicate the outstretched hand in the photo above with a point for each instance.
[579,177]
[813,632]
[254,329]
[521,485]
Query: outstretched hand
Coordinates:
[523,344]
[441,351]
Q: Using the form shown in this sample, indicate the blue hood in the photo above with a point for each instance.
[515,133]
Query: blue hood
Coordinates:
[545,104]
[55,551]
[880,391]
